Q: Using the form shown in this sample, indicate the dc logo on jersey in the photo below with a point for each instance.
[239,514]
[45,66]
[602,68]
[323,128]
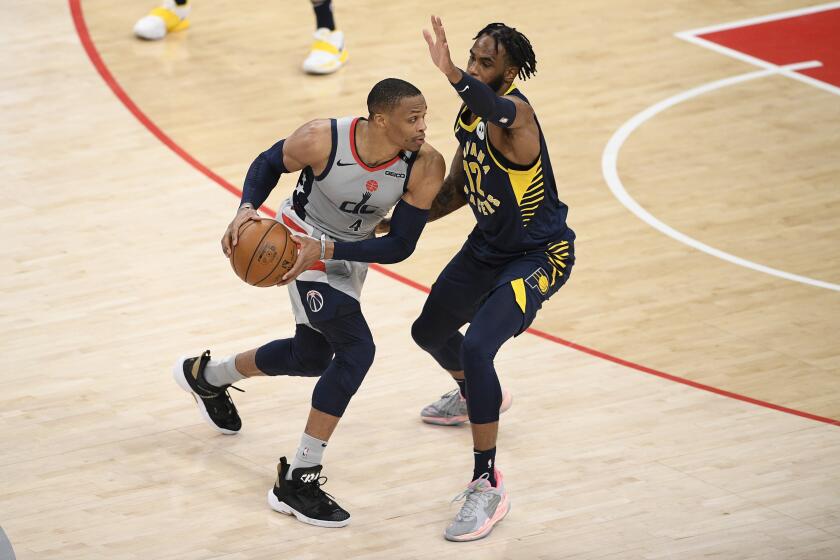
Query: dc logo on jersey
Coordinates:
[480,130]
[315,300]
[360,207]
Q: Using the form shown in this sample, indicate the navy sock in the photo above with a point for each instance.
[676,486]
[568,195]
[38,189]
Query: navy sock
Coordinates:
[462,386]
[485,463]
[324,15]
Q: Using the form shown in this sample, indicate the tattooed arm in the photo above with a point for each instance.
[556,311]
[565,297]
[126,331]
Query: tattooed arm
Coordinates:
[448,199]
[451,194]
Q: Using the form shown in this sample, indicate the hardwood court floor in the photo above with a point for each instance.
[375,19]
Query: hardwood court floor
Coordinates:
[112,269]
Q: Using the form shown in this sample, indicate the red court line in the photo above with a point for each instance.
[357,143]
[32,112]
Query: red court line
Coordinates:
[96,59]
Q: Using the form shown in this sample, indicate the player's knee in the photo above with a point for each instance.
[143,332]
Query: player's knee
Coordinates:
[275,358]
[425,335]
[353,363]
[313,361]
[343,378]
[420,334]
[297,357]
[475,353]
[361,355]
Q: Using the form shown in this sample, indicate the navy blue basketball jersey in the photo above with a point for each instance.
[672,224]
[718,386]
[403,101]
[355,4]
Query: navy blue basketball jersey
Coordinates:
[516,207]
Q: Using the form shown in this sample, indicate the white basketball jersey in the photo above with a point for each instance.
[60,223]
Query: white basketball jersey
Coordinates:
[349,198]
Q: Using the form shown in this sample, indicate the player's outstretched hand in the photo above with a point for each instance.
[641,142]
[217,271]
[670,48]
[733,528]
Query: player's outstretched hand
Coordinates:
[308,253]
[231,236]
[439,50]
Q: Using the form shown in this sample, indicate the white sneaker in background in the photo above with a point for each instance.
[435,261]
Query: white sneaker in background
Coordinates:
[168,18]
[327,54]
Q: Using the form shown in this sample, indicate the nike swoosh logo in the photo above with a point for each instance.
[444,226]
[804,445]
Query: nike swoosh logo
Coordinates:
[342,164]
[465,89]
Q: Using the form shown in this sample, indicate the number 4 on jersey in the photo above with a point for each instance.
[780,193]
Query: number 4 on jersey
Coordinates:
[355,225]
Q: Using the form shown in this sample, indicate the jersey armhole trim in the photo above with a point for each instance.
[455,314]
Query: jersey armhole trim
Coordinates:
[410,165]
[333,148]
[464,126]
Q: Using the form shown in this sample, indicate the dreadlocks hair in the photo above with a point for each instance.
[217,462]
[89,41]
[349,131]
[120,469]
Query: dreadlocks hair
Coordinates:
[516,44]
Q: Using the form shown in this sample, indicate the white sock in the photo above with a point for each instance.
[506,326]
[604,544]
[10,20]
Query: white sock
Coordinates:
[309,454]
[222,372]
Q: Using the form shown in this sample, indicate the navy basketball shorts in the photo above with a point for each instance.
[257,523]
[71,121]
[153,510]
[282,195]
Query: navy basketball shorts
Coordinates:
[466,282]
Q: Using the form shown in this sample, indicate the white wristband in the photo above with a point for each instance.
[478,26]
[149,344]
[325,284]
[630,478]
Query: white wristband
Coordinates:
[323,245]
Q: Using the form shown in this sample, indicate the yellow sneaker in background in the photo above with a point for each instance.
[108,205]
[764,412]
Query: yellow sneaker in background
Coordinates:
[168,18]
[327,54]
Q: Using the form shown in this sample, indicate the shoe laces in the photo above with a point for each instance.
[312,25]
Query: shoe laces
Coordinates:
[313,490]
[208,391]
[451,402]
[225,399]
[473,497]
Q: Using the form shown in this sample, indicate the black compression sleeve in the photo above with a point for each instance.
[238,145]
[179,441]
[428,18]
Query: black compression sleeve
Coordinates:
[407,224]
[484,102]
[263,175]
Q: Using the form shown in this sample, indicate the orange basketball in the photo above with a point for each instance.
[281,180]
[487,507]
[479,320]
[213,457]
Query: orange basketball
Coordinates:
[264,253]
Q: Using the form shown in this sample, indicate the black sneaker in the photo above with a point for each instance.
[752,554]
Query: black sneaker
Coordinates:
[302,497]
[213,402]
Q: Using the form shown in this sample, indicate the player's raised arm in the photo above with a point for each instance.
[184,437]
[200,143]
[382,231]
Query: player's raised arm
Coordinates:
[506,112]
[439,51]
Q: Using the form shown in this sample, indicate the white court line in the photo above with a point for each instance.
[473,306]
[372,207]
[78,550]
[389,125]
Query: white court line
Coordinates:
[692,37]
[764,19]
[609,167]
[686,36]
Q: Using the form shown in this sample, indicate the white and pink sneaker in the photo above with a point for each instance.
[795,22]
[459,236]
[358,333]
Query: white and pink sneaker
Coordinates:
[451,409]
[484,506]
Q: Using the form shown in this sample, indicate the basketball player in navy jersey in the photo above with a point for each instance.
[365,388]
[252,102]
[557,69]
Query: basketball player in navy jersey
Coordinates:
[519,253]
[352,172]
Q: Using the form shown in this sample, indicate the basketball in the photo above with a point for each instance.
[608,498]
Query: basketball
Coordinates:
[264,252]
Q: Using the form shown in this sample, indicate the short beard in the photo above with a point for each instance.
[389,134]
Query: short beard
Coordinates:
[496,85]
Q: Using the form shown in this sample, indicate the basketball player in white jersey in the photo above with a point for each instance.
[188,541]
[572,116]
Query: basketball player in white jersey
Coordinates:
[353,171]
